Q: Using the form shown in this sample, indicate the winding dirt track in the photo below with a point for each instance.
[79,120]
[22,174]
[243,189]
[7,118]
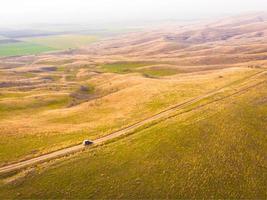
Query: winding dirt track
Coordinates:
[162,115]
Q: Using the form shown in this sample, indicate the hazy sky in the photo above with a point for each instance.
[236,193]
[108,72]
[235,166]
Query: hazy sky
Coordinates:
[102,11]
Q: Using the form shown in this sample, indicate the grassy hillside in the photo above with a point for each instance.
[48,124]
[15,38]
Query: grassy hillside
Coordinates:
[213,151]
[46,119]
[210,144]
[41,113]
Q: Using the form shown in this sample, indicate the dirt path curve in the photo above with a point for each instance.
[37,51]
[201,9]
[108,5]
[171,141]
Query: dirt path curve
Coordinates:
[161,115]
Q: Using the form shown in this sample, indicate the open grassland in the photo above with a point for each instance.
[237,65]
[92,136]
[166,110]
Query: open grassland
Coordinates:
[62,42]
[65,104]
[213,151]
[22,48]
[213,146]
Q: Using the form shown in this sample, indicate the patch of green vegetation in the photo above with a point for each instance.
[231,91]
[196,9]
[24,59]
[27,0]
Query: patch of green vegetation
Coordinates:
[124,67]
[22,48]
[61,68]
[29,75]
[63,41]
[132,67]
[158,72]
[217,152]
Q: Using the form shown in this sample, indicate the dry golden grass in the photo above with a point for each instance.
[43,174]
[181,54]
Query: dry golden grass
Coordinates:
[52,101]
[45,111]
[36,90]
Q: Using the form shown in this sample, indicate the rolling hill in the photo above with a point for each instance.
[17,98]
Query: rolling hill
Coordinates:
[212,147]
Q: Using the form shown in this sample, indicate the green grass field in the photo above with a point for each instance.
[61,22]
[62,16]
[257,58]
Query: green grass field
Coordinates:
[37,45]
[124,67]
[62,42]
[139,67]
[215,151]
[158,72]
[23,48]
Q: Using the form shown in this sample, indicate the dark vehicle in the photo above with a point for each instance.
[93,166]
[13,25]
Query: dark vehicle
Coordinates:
[87,142]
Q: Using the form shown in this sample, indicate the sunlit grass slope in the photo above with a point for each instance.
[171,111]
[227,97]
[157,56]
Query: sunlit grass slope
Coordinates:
[214,151]
[63,115]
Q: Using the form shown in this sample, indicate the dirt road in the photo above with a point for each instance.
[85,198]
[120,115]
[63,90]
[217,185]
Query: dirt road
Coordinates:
[162,115]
